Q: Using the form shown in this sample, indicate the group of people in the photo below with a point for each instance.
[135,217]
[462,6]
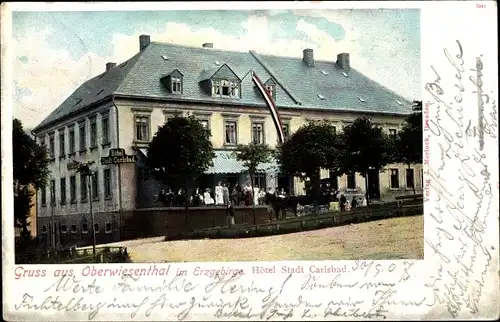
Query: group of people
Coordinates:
[220,195]
[345,205]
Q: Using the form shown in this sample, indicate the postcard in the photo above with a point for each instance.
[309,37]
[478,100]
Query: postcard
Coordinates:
[250,161]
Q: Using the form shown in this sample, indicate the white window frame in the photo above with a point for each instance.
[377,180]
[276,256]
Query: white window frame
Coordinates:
[82,139]
[62,144]
[258,128]
[52,146]
[93,134]
[105,128]
[226,124]
[176,82]
[72,145]
[147,132]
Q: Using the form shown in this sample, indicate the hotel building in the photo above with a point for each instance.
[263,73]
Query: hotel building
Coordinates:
[124,106]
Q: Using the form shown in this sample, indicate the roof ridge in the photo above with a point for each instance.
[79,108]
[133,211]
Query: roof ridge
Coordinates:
[194,47]
[273,75]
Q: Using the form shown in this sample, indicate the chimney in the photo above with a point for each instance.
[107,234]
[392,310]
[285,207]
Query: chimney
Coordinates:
[308,57]
[144,41]
[343,61]
[110,65]
[208,45]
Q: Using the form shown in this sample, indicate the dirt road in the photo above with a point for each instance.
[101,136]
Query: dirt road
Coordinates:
[397,238]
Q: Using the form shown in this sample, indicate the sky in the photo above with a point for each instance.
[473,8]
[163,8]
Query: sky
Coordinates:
[55,52]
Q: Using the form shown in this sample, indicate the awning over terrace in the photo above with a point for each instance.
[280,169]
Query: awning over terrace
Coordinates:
[224,162]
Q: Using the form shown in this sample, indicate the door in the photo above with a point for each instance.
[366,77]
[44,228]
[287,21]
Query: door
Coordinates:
[373,184]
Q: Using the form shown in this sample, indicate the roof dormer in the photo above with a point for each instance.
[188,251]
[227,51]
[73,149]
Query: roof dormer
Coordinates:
[221,82]
[173,82]
[270,86]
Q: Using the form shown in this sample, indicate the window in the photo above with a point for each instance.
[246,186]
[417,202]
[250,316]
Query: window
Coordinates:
[72,189]
[107,228]
[394,178]
[85,228]
[215,88]
[333,180]
[234,90]
[63,190]
[260,181]
[96,228]
[270,90]
[334,129]
[225,88]
[53,192]
[95,186]
[43,192]
[62,145]
[270,87]
[142,128]
[83,187]
[72,141]
[107,183]
[93,133]
[393,133]
[105,128]
[410,178]
[82,137]
[230,128]
[422,175]
[43,144]
[44,229]
[73,229]
[258,133]
[51,147]
[286,129]
[64,229]
[176,85]
[205,124]
[351,181]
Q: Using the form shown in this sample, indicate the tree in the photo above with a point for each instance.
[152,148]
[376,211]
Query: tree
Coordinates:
[180,152]
[312,147]
[30,168]
[408,145]
[252,155]
[367,148]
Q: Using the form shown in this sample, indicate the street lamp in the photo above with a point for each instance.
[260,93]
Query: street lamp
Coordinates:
[84,169]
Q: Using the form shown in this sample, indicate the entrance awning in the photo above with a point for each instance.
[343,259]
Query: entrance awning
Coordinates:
[224,162]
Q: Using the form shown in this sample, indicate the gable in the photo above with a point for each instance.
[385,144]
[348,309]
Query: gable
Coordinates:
[225,72]
[270,82]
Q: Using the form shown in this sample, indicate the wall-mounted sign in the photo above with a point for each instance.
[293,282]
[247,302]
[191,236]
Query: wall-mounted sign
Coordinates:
[117,156]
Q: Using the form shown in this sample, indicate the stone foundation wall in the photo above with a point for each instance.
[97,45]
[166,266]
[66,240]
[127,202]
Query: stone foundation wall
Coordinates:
[126,225]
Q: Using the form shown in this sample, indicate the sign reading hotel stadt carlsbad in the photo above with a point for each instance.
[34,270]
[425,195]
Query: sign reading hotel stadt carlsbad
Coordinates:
[117,156]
